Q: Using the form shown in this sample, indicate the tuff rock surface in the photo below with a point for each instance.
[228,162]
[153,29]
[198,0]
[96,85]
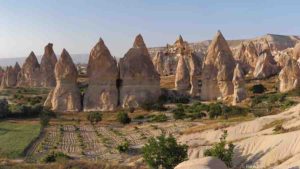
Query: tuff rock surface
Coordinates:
[289,76]
[182,78]
[238,81]
[102,92]
[217,70]
[140,82]
[47,66]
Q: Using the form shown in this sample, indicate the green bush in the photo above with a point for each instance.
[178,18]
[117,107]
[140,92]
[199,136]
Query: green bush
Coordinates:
[123,118]
[55,157]
[179,112]
[220,151]
[4,108]
[159,118]
[215,110]
[258,89]
[123,147]
[164,152]
[94,117]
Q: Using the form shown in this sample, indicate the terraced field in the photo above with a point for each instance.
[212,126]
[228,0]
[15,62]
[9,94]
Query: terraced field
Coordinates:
[99,142]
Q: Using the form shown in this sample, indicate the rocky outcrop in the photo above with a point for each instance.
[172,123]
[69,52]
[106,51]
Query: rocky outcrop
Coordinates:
[66,96]
[158,62]
[9,78]
[17,68]
[217,71]
[195,75]
[296,51]
[102,92]
[289,76]
[246,56]
[47,67]
[202,163]
[140,83]
[182,78]
[30,75]
[266,65]
[238,81]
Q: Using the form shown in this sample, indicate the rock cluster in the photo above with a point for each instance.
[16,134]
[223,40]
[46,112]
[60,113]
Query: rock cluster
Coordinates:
[9,78]
[246,56]
[289,76]
[139,81]
[47,66]
[238,81]
[29,75]
[66,96]
[217,70]
[102,92]
[182,78]
[266,66]
[195,75]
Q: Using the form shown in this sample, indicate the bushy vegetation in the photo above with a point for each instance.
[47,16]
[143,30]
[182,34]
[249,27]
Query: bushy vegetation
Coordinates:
[258,89]
[123,117]
[164,152]
[220,150]
[55,157]
[158,118]
[94,117]
[45,117]
[4,108]
[123,147]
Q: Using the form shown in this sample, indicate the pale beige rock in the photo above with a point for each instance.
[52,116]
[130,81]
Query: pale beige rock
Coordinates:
[296,51]
[289,76]
[217,70]
[10,78]
[158,63]
[266,65]
[102,92]
[30,75]
[48,101]
[66,94]
[238,81]
[47,67]
[202,163]
[195,75]
[182,78]
[140,83]
[246,56]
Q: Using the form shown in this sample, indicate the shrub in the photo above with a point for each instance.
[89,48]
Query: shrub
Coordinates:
[153,106]
[179,112]
[123,118]
[215,110]
[94,117]
[55,157]
[164,152]
[4,108]
[259,88]
[123,147]
[159,118]
[220,151]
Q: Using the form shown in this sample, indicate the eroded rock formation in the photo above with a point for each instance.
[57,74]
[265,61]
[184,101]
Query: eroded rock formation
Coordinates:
[238,81]
[140,82]
[266,65]
[102,92]
[296,51]
[289,76]
[217,70]
[47,67]
[182,78]
[66,96]
[30,75]
[9,78]
[158,62]
[195,75]
[246,56]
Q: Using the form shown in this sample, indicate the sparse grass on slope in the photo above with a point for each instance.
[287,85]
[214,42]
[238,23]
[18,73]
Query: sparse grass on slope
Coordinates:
[16,136]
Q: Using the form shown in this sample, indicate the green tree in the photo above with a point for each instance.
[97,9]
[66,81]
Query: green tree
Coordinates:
[164,152]
[94,117]
[220,150]
[123,118]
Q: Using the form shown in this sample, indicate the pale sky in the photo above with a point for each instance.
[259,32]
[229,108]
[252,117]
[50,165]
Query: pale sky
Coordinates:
[28,25]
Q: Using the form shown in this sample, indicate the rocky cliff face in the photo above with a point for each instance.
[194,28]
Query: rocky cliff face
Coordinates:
[289,76]
[238,81]
[195,75]
[182,78]
[266,66]
[30,75]
[102,92]
[217,70]
[9,78]
[140,83]
[66,96]
[47,67]
[246,56]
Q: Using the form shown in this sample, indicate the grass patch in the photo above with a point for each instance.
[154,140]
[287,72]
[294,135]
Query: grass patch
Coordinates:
[15,137]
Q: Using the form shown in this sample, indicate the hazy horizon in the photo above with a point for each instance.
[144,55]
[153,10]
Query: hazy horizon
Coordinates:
[77,25]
